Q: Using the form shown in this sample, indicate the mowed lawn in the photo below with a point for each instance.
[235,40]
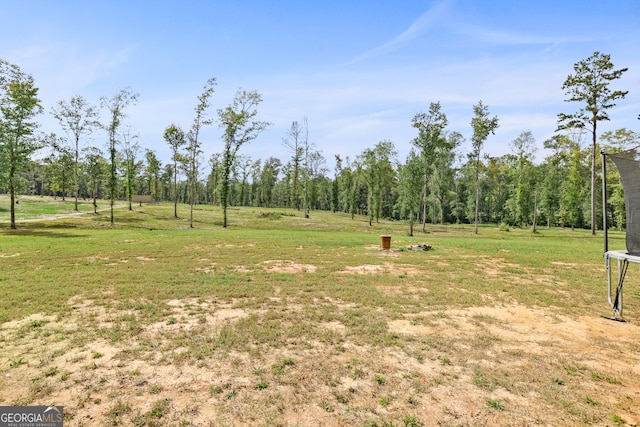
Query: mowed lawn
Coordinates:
[282,320]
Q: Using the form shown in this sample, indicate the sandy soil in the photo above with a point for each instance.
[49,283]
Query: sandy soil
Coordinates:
[596,359]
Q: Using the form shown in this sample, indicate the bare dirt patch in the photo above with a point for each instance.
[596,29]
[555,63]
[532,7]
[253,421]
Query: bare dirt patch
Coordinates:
[485,366]
[284,266]
[384,268]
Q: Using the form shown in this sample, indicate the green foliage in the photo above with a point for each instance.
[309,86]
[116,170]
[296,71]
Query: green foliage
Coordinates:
[17,362]
[51,371]
[77,117]
[379,173]
[240,127]
[174,136]
[482,126]
[411,421]
[384,401]
[283,317]
[192,158]
[617,419]
[590,87]
[116,114]
[495,404]
[379,379]
[19,106]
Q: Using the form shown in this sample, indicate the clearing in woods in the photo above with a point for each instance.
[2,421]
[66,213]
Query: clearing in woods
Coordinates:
[282,320]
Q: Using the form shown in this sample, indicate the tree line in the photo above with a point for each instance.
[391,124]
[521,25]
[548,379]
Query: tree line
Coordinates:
[435,183]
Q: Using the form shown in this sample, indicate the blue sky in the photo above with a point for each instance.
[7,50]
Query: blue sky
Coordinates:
[358,70]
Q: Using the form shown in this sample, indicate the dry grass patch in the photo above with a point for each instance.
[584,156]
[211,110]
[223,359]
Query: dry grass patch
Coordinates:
[384,268]
[289,267]
[492,365]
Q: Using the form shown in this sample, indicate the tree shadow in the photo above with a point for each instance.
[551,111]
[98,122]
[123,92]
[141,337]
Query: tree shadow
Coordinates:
[53,233]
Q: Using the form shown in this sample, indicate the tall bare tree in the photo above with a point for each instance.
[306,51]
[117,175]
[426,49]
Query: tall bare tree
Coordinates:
[77,117]
[294,143]
[590,86]
[306,148]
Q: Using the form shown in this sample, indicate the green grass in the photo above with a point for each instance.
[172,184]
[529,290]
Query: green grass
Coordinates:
[155,287]
[33,207]
[147,252]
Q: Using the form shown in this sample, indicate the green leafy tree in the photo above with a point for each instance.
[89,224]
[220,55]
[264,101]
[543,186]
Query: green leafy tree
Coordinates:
[379,174]
[152,173]
[194,145]
[77,117]
[335,185]
[482,126]
[243,164]
[268,180]
[590,86]
[60,166]
[522,201]
[213,182]
[554,170]
[254,186]
[411,183]
[95,166]
[442,175]
[574,188]
[464,182]
[316,190]
[19,106]
[175,137]
[499,182]
[240,127]
[348,177]
[431,138]
[130,163]
[115,106]
[357,189]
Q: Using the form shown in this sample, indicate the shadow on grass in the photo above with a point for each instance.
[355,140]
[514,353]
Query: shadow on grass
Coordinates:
[52,232]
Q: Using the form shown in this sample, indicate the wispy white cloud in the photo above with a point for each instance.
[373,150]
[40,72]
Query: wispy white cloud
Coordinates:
[418,27]
[513,38]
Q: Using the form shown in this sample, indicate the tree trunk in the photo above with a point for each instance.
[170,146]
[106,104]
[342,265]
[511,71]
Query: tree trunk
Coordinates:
[593,181]
[535,211]
[76,175]
[424,205]
[477,194]
[12,190]
[411,222]
[175,189]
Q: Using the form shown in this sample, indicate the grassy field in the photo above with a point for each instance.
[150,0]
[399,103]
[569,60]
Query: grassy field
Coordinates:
[282,320]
